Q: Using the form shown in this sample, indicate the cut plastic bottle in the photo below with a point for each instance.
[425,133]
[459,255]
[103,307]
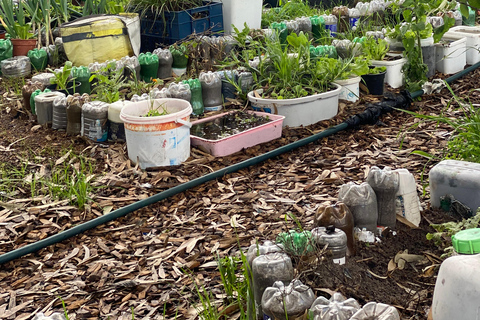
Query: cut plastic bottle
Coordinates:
[335,308]
[362,202]
[290,301]
[385,184]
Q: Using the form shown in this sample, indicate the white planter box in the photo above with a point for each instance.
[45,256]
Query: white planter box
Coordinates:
[350,89]
[473,41]
[451,55]
[394,76]
[240,12]
[300,111]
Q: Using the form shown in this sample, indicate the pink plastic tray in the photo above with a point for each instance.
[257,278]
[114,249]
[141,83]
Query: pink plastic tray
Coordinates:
[234,143]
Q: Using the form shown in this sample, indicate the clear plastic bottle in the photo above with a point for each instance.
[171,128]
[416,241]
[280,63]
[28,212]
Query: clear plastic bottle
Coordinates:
[44,106]
[335,239]
[180,91]
[59,118]
[385,184]
[228,90]
[337,308]
[132,66]
[331,24]
[377,311]
[245,81]
[54,316]
[165,62]
[116,128]
[305,25]
[282,302]
[27,91]
[353,17]
[211,91]
[339,216]
[362,202]
[94,120]
[266,269]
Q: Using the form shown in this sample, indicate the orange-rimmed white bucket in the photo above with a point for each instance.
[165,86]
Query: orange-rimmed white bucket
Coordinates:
[160,140]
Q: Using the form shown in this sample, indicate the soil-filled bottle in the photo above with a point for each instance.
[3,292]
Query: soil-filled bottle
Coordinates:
[339,216]
[407,203]
[335,239]
[116,128]
[385,184]
[165,61]
[281,29]
[38,59]
[132,67]
[331,24]
[180,91]
[82,75]
[293,27]
[291,302]
[148,66]
[59,118]
[196,100]
[94,120]
[44,106]
[245,81]
[32,99]
[335,308]
[229,91]
[296,243]
[16,67]
[6,49]
[74,113]
[305,25]
[362,202]
[27,91]
[266,269]
[211,91]
[377,311]
[318,27]
[180,59]
[43,78]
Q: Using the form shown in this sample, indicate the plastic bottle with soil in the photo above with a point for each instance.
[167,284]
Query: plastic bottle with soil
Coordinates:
[165,62]
[16,67]
[305,25]
[32,99]
[59,118]
[335,239]
[180,59]
[266,269]
[148,66]
[407,203]
[339,216]
[38,59]
[196,99]
[353,18]
[331,24]
[43,78]
[318,27]
[94,120]
[245,81]
[293,27]
[27,91]
[335,308]
[74,113]
[296,243]
[385,184]
[228,90]
[291,302]
[6,49]
[82,74]
[158,94]
[362,203]
[132,67]
[44,106]
[211,91]
[180,91]
[376,311]
[116,128]
[281,29]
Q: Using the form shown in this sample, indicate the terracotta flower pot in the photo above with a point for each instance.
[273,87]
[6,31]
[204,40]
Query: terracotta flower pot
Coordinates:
[2,34]
[22,46]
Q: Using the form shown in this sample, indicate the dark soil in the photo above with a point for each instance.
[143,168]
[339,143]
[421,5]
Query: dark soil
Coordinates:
[137,261]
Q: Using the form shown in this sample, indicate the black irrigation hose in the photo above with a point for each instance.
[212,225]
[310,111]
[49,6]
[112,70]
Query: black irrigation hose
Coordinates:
[370,115]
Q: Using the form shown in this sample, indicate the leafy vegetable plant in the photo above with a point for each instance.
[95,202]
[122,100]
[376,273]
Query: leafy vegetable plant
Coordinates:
[61,77]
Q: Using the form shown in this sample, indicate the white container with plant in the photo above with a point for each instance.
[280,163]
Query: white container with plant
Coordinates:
[451,54]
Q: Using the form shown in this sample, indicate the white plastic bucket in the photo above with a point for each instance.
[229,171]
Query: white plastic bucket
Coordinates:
[350,89]
[451,54]
[473,41]
[161,140]
[300,111]
[394,76]
[238,13]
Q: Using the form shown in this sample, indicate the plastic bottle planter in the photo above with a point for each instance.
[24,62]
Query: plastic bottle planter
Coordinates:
[44,106]
[331,24]
[337,308]
[287,302]
[74,113]
[318,27]
[82,74]
[180,91]
[266,269]
[94,120]
[385,184]
[334,239]
[148,66]
[211,91]
[323,51]
[339,216]
[59,117]
[54,316]
[18,66]
[362,203]
[38,59]
[27,91]
[180,59]
[353,18]
[6,49]
[281,29]
[229,91]
[196,99]
[305,25]
[296,243]
[32,98]
[378,311]
[245,81]
[165,62]
[116,128]
[132,67]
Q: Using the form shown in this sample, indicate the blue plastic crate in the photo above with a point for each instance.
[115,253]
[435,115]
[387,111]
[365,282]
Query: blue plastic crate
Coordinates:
[181,24]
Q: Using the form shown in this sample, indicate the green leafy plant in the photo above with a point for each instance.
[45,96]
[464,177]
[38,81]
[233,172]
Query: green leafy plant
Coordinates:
[161,110]
[342,69]
[375,49]
[288,10]
[109,83]
[61,78]
[13,20]
[377,70]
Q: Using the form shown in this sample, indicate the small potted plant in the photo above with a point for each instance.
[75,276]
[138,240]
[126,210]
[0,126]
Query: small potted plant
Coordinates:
[374,80]
[22,35]
[62,80]
[377,52]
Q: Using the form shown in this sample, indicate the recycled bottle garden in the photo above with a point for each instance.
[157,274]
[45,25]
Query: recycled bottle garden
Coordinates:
[225,160]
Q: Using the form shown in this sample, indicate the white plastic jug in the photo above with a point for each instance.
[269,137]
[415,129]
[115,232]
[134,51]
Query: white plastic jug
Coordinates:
[407,202]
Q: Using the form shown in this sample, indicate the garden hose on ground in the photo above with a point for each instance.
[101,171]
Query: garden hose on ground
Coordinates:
[370,115]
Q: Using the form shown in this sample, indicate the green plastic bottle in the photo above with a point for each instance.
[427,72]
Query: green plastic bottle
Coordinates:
[318,27]
[470,21]
[32,98]
[38,58]
[281,28]
[148,66]
[180,59]
[196,99]
[296,243]
[82,74]
[6,50]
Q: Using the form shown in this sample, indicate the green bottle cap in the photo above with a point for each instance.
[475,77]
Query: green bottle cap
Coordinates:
[467,241]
